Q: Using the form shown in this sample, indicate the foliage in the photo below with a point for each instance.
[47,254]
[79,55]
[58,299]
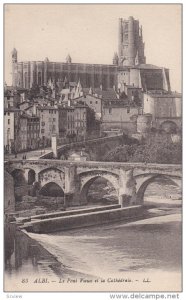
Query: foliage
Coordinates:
[154,149]
[91,120]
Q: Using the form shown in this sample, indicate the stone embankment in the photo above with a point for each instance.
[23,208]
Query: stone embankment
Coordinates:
[81,218]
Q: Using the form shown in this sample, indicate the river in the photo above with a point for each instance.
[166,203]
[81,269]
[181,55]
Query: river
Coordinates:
[139,251]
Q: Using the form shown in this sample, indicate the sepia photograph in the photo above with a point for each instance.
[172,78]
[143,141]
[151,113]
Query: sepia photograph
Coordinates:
[92,148]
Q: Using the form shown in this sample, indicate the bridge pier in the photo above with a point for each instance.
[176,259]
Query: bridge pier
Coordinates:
[72,187]
[26,171]
[127,188]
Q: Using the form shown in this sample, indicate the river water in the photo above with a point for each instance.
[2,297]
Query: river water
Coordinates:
[139,251]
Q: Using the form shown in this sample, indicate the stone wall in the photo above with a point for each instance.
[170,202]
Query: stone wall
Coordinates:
[9,199]
[86,219]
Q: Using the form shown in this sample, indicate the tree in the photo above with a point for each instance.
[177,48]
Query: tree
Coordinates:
[156,148]
[91,120]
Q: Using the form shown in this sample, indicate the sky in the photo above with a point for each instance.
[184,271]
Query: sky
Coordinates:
[89,33]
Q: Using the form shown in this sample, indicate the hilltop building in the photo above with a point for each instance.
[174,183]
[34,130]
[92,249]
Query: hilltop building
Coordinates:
[128,95]
[129,67]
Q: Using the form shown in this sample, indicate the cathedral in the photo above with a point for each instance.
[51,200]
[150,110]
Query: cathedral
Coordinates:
[128,67]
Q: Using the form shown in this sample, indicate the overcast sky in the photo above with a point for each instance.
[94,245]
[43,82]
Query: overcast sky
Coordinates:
[89,33]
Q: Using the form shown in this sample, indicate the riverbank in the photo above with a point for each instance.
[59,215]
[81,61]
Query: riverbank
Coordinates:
[134,250]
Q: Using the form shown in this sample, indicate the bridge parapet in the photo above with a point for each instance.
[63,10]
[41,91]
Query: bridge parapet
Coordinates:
[139,168]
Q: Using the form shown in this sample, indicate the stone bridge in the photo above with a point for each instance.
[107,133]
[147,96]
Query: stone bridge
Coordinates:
[130,180]
[94,148]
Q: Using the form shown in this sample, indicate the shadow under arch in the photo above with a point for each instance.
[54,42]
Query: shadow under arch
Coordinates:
[31,176]
[86,187]
[51,189]
[169,126]
[19,177]
[141,191]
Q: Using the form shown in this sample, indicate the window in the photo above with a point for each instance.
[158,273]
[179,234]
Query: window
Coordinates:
[90,102]
[126,36]
[54,119]
[42,131]
[9,121]
[110,110]
[128,110]
[8,113]
[96,102]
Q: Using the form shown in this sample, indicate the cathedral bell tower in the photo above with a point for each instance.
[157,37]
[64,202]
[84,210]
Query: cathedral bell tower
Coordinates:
[131,45]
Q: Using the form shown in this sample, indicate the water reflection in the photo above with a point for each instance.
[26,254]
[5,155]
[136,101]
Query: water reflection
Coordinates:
[151,244]
[22,253]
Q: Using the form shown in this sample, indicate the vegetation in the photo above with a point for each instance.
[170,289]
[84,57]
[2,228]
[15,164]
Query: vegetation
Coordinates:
[156,148]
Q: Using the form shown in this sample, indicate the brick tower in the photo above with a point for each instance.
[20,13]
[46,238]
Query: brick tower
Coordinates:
[131,46]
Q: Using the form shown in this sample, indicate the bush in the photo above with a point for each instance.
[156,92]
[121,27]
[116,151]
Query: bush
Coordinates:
[157,148]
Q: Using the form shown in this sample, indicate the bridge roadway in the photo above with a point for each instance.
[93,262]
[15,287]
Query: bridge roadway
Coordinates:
[130,180]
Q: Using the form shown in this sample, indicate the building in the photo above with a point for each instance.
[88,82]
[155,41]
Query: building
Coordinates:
[33,132]
[144,76]
[165,108]
[66,121]
[119,116]
[80,120]
[23,138]
[95,103]
[21,131]
[13,96]
[27,74]
[114,92]
[9,100]
[48,123]
[130,50]
[129,67]
[11,129]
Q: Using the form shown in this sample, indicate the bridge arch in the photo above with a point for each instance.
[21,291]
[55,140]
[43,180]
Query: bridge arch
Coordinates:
[88,178]
[169,126]
[31,176]
[52,174]
[51,189]
[143,181]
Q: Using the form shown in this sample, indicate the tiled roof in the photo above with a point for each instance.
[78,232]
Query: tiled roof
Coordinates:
[162,94]
[147,66]
[105,94]
[46,107]
[116,103]
[12,109]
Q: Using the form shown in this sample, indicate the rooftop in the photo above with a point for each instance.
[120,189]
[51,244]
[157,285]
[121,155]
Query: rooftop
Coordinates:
[109,94]
[47,108]
[163,94]
[12,109]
